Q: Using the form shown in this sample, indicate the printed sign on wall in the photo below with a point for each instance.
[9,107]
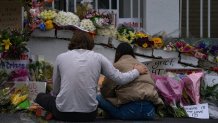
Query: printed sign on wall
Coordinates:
[10,65]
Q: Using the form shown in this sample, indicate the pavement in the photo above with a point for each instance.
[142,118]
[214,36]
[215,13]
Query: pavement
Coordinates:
[30,118]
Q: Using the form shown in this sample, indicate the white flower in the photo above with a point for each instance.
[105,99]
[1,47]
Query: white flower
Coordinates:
[66,18]
[87,25]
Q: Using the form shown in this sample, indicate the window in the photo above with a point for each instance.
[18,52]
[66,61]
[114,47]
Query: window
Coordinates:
[191,18]
[121,8]
[60,4]
[104,4]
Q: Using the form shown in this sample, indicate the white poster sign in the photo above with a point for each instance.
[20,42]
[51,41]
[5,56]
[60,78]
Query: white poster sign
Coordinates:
[34,88]
[158,66]
[198,111]
[211,80]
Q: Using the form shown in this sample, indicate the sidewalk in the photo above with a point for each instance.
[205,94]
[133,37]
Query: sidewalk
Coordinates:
[29,118]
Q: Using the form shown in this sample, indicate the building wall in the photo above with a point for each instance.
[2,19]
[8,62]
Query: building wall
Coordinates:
[161,15]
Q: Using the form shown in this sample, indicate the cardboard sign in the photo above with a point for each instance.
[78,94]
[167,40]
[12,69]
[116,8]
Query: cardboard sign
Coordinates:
[158,66]
[34,88]
[10,65]
[11,14]
[211,80]
[198,111]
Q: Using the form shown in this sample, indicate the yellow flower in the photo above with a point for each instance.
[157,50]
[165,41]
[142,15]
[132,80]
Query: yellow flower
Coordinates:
[49,25]
[145,45]
[7,43]
[141,35]
[158,42]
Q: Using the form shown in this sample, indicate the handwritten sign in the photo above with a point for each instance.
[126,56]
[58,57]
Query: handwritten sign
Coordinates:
[198,111]
[158,66]
[11,14]
[211,80]
[34,88]
[10,65]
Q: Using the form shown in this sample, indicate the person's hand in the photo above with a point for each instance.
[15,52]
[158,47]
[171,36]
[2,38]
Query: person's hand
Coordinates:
[141,68]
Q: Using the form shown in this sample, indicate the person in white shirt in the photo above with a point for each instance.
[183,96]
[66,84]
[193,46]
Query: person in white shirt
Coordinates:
[75,80]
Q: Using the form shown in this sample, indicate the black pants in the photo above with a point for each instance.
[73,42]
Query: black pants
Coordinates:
[48,102]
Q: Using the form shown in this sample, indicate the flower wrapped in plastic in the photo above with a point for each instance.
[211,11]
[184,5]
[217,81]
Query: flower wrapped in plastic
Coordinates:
[184,47]
[100,20]
[170,88]
[125,33]
[40,71]
[87,24]
[21,74]
[19,95]
[48,14]
[158,42]
[13,44]
[142,39]
[169,47]
[4,96]
[82,9]
[110,31]
[3,77]
[66,19]
[192,86]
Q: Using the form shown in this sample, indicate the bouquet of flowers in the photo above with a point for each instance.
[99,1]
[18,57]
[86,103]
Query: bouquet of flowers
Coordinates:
[192,87]
[3,76]
[171,88]
[125,33]
[109,31]
[13,44]
[40,71]
[87,24]
[142,39]
[4,96]
[188,49]
[100,20]
[66,19]
[83,8]
[47,15]
[21,74]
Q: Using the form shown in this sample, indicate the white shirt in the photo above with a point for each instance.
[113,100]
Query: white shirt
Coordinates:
[75,78]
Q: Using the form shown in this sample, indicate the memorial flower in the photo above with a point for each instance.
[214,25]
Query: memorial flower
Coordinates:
[125,33]
[6,43]
[87,24]
[66,19]
[100,20]
[13,44]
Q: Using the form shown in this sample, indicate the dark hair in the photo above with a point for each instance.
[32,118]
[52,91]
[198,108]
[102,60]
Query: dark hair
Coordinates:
[81,40]
[123,49]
